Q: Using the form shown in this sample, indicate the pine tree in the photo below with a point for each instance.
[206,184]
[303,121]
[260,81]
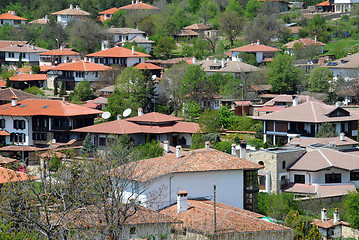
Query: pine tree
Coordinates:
[314,233]
[55,88]
[62,89]
[88,147]
[7,85]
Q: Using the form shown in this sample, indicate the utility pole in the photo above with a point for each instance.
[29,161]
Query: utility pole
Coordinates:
[214,212]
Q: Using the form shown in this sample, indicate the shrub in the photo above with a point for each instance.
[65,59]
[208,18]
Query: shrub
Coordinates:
[55,163]
[224,146]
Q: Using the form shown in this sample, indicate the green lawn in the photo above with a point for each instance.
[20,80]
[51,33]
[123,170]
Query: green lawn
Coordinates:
[342,47]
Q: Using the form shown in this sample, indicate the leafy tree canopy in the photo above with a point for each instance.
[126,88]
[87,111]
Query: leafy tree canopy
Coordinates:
[319,80]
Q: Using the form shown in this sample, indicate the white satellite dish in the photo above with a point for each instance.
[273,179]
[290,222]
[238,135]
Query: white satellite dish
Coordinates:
[106,115]
[127,112]
[154,77]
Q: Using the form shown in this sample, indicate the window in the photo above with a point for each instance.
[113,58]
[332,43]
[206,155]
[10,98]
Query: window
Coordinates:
[11,55]
[354,176]
[39,136]
[96,74]
[132,230]
[283,165]
[19,124]
[79,74]
[17,137]
[333,178]
[2,123]
[102,141]
[299,178]
[250,190]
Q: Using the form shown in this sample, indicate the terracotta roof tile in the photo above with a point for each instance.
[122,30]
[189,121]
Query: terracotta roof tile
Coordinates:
[7,43]
[72,11]
[60,52]
[350,62]
[25,48]
[93,103]
[7,175]
[118,52]
[109,11]
[123,31]
[198,26]
[81,66]
[44,107]
[7,93]
[139,39]
[9,16]
[139,5]
[283,98]
[6,160]
[320,190]
[270,108]
[200,160]
[185,32]
[325,3]
[243,103]
[199,217]
[4,133]
[304,142]
[24,77]
[229,66]
[304,41]
[329,223]
[149,66]
[254,48]
[154,117]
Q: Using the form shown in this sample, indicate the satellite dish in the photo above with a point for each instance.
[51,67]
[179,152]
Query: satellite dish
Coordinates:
[127,112]
[154,77]
[106,115]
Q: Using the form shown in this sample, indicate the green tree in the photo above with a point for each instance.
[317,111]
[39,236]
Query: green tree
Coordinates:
[231,24]
[208,10]
[62,89]
[282,75]
[191,110]
[55,163]
[224,146]
[56,91]
[88,147]
[209,121]
[196,48]
[319,80]
[19,63]
[150,149]
[317,27]
[35,69]
[326,130]
[197,141]
[7,84]
[164,47]
[276,206]
[85,36]
[351,203]
[252,8]
[82,92]
[35,90]
[225,116]
[314,233]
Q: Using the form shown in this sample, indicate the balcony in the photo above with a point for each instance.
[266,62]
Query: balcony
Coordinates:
[65,78]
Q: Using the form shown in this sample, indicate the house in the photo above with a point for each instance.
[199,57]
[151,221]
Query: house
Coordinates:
[26,80]
[118,36]
[243,108]
[106,91]
[66,16]
[97,103]
[170,62]
[185,34]
[277,6]
[72,73]
[237,68]
[40,121]
[344,5]
[199,28]
[341,143]
[41,21]
[6,43]
[140,222]
[58,56]
[334,228]
[158,126]
[306,119]
[305,42]
[197,171]
[205,219]
[11,19]
[107,14]
[118,56]
[146,43]
[347,67]
[139,5]
[154,69]
[25,53]
[8,93]
[326,6]
[261,51]
[8,175]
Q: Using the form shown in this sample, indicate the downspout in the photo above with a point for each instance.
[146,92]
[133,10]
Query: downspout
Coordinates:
[170,189]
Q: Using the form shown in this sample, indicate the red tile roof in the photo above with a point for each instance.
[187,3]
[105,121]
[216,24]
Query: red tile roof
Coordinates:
[294,30]
[199,218]
[322,4]
[149,66]
[6,43]
[25,48]
[310,112]
[2,83]
[4,133]
[7,93]
[44,107]
[320,190]
[49,154]
[198,26]
[139,5]
[93,103]
[45,68]
[270,108]
[329,223]
[24,77]
[109,11]
[17,148]
[9,16]
[243,103]
[6,160]
[283,98]
[304,142]
[81,66]
[154,117]
[118,52]
[8,175]
[254,47]
[72,11]
[185,32]
[60,52]
[304,41]
[200,160]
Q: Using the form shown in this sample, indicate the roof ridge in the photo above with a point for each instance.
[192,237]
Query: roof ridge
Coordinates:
[185,158]
[83,62]
[326,159]
[314,114]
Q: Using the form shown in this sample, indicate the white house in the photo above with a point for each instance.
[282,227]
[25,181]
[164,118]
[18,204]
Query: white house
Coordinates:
[74,72]
[118,56]
[344,5]
[26,52]
[196,171]
[114,36]
[304,42]
[58,56]
[66,16]
[11,19]
[146,43]
[347,67]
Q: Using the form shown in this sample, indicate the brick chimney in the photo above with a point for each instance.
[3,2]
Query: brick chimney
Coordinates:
[133,50]
[182,201]
[295,101]
[341,136]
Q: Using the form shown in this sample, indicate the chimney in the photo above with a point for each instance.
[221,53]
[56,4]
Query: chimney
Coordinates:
[341,136]
[13,101]
[136,1]
[207,144]
[324,215]
[243,152]
[77,7]
[11,44]
[336,216]
[71,6]
[258,42]
[30,72]
[46,19]
[105,17]
[223,63]
[166,146]
[147,38]
[119,116]
[178,151]
[234,151]
[338,104]
[295,100]
[61,48]
[252,43]
[133,50]
[315,39]
[193,60]
[33,46]
[132,2]
[139,111]
[182,202]
[85,59]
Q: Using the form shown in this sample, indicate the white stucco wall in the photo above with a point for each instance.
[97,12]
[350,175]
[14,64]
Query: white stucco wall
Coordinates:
[346,73]
[29,57]
[11,22]
[9,127]
[319,177]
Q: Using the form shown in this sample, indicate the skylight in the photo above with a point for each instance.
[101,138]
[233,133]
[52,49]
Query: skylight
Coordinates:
[24,105]
[46,106]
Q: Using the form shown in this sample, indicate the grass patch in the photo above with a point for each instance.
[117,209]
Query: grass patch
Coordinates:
[340,48]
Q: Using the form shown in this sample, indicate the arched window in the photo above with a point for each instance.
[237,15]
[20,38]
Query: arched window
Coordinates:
[283,165]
